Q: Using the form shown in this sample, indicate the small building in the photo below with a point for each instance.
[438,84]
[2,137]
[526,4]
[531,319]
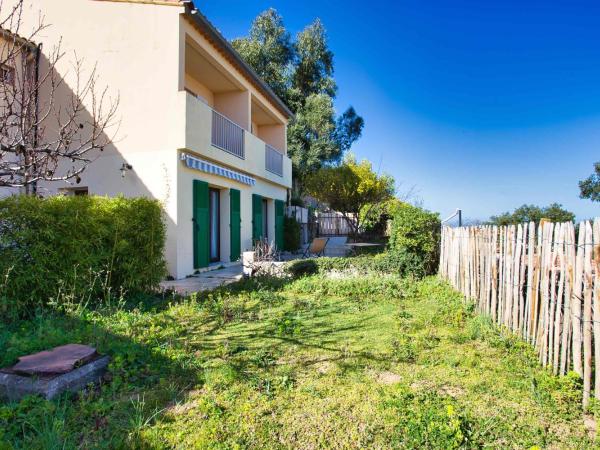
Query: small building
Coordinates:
[199,130]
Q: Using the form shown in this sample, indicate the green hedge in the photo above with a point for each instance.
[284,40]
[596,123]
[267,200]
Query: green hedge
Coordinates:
[396,262]
[78,248]
[416,231]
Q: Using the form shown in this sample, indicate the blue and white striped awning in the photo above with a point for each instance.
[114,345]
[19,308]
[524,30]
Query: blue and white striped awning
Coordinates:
[214,169]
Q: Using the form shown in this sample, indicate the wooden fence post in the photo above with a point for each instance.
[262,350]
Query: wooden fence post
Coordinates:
[576,302]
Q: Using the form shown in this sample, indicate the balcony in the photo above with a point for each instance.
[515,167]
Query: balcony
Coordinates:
[227,135]
[273,160]
[211,134]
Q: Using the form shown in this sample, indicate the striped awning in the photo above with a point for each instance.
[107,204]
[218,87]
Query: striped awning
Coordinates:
[214,169]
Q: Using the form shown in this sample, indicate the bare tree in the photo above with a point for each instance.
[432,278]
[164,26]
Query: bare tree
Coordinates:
[49,131]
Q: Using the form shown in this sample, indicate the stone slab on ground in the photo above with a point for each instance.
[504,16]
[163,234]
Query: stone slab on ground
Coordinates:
[14,386]
[59,360]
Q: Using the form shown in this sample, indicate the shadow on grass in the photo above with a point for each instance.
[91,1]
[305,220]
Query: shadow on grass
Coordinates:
[145,376]
[303,329]
[161,348]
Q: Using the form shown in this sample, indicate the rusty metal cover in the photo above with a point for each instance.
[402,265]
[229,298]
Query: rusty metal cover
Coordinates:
[59,360]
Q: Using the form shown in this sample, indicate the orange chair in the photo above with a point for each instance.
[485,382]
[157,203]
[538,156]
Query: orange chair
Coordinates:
[316,248]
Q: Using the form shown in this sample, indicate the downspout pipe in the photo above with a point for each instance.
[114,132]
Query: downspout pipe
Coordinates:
[38,52]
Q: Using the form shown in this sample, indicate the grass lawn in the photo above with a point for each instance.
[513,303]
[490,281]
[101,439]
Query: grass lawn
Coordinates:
[366,362]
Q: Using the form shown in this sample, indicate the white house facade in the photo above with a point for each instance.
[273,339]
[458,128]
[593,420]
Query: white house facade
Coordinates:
[199,130]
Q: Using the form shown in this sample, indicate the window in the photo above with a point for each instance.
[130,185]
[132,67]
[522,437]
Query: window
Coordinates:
[265,219]
[214,213]
[74,191]
[7,74]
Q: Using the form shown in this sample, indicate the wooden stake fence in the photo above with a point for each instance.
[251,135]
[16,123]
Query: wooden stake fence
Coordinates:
[541,282]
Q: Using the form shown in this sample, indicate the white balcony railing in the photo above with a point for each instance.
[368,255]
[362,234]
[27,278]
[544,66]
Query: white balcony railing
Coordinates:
[227,135]
[273,160]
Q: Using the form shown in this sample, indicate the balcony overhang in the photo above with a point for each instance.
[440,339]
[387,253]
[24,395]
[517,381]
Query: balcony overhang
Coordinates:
[216,38]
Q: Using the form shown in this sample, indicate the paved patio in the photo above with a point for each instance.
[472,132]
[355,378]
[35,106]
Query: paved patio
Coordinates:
[214,278]
[205,281]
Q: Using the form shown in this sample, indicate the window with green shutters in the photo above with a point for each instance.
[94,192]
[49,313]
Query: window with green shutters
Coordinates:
[201,224]
[257,217]
[234,224]
[279,214]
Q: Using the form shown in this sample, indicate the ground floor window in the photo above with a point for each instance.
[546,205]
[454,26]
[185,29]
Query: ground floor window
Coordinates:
[214,213]
[74,191]
[265,218]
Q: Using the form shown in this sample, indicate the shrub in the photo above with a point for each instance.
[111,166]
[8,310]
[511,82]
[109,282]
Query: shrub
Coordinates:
[374,217]
[392,262]
[364,288]
[302,267]
[291,234]
[416,231]
[297,201]
[75,248]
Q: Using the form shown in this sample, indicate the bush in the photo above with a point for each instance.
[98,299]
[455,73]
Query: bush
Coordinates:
[76,247]
[297,201]
[416,231]
[291,234]
[392,262]
[370,287]
[374,217]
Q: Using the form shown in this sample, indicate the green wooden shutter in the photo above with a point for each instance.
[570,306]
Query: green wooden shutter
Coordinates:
[279,213]
[257,217]
[201,224]
[235,241]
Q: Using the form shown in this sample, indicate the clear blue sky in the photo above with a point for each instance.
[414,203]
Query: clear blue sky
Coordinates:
[481,105]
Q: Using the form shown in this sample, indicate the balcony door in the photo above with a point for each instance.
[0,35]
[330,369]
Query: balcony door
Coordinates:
[214,212]
[265,219]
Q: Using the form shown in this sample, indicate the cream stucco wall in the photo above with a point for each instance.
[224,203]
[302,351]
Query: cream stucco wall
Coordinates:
[274,135]
[200,90]
[235,106]
[134,49]
[20,60]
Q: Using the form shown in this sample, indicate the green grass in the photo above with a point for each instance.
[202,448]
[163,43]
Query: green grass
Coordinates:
[367,362]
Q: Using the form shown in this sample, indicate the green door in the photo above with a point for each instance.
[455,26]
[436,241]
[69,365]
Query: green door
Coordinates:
[201,222]
[279,213]
[234,224]
[257,217]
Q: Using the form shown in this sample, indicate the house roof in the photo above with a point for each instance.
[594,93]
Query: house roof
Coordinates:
[223,45]
[6,34]
[149,2]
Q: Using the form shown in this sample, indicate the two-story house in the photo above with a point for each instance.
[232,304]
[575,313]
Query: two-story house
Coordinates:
[199,130]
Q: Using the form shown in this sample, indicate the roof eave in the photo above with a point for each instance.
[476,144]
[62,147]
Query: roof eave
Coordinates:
[31,46]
